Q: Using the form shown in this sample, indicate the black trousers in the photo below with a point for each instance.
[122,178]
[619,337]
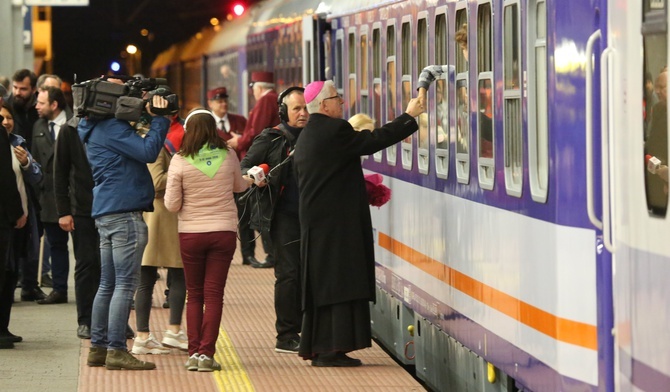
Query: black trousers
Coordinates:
[247,234]
[285,233]
[86,243]
[7,279]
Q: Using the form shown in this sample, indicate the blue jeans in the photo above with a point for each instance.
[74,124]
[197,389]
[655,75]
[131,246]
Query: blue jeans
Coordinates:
[123,238]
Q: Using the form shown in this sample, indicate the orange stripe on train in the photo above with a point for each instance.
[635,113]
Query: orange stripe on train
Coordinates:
[561,329]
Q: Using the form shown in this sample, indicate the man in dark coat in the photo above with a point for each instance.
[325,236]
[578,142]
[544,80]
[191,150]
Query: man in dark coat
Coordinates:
[51,108]
[73,191]
[276,212]
[337,249]
[229,125]
[23,101]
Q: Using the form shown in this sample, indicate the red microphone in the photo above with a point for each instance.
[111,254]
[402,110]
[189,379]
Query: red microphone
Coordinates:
[653,163]
[257,173]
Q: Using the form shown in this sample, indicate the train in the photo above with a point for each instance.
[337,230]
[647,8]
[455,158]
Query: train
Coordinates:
[525,246]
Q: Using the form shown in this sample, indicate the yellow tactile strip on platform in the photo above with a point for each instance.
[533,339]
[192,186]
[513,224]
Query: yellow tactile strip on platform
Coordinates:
[232,377]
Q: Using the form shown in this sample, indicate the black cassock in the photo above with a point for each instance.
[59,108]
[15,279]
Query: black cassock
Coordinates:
[337,249]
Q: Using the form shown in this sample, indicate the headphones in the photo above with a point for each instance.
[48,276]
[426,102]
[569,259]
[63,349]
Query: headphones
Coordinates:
[197,111]
[283,109]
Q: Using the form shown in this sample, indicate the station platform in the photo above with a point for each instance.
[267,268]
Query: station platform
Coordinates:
[52,358]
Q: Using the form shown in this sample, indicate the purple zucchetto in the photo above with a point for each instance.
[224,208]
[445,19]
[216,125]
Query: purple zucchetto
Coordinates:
[312,90]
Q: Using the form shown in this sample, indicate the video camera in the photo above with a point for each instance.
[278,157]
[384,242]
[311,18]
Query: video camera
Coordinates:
[100,99]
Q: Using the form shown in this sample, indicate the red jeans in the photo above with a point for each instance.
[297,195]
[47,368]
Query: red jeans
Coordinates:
[206,258]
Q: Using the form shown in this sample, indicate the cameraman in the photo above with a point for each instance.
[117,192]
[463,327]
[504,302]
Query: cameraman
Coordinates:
[123,190]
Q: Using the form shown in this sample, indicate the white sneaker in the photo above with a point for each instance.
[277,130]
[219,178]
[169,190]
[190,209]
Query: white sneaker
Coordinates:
[175,340]
[148,346]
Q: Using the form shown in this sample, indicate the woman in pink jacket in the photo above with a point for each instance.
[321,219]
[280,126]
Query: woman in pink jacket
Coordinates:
[200,186]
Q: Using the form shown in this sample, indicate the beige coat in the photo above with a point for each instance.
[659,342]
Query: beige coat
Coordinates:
[163,247]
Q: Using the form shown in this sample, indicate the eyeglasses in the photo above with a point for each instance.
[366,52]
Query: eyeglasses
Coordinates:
[338,96]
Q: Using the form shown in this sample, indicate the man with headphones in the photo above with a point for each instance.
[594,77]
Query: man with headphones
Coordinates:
[275,210]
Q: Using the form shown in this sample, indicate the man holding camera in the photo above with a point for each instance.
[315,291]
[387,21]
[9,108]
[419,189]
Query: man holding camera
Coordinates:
[123,190]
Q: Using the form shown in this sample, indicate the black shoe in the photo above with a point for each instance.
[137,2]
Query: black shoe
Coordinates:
[32,295]
[84,332]
[287,346]
[10,337]
[47,281]
[335,360]
[6,343]
[262,264]
[252,261]
[54,297]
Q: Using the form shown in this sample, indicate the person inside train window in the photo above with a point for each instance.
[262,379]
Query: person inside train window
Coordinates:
[362,121]
[657,146]
[336,231]
[649,100]
[461,38]
[485,119]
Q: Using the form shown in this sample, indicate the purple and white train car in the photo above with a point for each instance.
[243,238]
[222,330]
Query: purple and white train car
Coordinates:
[491,274]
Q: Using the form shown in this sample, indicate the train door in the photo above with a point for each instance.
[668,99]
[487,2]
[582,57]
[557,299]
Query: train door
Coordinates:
[637,55]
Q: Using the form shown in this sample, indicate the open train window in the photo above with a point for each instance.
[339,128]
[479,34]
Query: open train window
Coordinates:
[538,132]
[441,108]
[513,152]
[391,93]
[655,115]
[462,97]
[406,82]
[485,123]
[422,62]
[352,107]
[377,81]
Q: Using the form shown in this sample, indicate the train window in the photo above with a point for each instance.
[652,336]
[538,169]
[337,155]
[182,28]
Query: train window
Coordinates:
[538,132]
[377,82]
[462,98]
[328,71]
[485,123]
[655,115]
[512,99]
[406,92]
[339,60]
[422,62]
[363,50]
[391,93]
[441,107]
[353,89]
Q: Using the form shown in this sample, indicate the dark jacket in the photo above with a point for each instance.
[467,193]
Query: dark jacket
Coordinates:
[336,229]
[272,147]
[43,152]
[73,179]
[118,157]
[10,199]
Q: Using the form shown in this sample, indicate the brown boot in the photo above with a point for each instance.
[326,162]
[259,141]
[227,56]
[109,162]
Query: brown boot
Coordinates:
[97,356]
[122,359]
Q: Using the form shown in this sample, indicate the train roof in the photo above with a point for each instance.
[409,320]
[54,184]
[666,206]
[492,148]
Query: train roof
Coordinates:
[275,13]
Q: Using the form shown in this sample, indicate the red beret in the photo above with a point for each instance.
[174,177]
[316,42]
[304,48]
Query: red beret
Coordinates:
[217,93]
[266,77]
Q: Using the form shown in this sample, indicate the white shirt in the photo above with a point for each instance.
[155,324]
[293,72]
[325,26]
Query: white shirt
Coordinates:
[59,121]
[226,122]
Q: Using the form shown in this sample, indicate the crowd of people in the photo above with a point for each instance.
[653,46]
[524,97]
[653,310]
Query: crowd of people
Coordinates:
[167,192]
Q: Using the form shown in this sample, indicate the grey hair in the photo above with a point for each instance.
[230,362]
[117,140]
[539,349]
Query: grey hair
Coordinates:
[313,107]
[43,78]
[265,85]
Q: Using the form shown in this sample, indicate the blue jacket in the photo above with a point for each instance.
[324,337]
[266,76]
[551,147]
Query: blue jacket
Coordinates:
[118,158]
